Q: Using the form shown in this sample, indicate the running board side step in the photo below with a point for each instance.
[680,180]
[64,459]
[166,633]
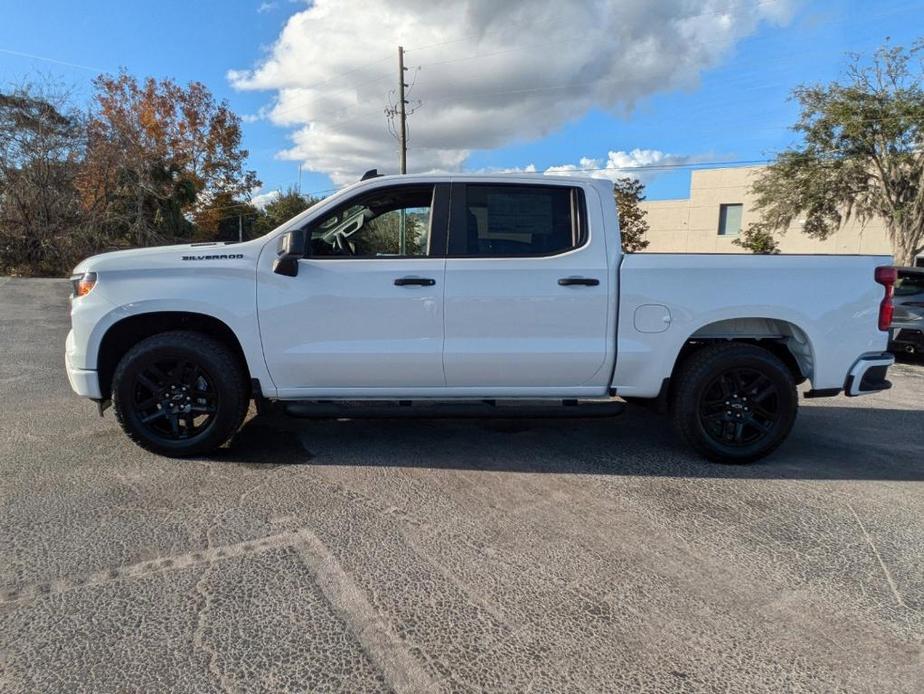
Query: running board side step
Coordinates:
[422,409]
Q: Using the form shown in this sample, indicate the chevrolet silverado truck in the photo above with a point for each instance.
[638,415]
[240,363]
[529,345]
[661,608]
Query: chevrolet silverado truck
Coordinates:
[408,291]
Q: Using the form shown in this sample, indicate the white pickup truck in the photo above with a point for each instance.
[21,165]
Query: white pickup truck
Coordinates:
[414,290]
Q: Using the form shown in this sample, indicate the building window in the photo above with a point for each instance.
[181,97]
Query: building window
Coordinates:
[730,219]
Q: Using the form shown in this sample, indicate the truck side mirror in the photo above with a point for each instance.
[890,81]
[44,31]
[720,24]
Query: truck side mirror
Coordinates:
[289,249]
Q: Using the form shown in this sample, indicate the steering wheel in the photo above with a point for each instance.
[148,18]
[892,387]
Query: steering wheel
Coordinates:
[344,247]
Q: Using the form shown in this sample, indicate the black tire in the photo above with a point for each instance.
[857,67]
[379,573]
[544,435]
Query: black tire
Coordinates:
[734,402]
[187,409]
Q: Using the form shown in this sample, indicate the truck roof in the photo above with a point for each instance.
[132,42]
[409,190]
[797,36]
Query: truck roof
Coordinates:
[481,175]
[524,177]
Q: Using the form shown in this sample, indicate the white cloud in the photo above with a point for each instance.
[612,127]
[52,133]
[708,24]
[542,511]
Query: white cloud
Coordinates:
[261,114]
[643,164]
[261,200]
[529,168]
[501,72]
[267,7]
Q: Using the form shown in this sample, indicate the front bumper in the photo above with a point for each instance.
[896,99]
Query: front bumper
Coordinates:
[868,374]
[84,382]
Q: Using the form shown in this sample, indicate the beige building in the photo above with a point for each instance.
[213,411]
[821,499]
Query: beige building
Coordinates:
[720,206]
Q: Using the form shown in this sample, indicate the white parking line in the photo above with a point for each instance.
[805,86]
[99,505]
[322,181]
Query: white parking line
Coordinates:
[402,671]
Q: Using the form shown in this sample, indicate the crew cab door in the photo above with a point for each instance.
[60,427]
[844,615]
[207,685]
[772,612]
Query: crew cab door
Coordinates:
[364,314]
[527,289]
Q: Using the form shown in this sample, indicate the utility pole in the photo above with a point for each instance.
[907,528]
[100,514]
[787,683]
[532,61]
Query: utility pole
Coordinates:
[402,111]
[240,228]
[402,143]
[399,111]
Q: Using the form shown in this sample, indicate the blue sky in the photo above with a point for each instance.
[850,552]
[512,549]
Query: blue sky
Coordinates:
[738,111]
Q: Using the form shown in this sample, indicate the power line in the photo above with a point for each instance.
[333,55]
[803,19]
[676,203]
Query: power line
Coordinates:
[51,60]
[338,76]
[240,205]
[738,79]
[357,115]
[639,167]
[317,117]
[542,45]
[546,172]
[354,87]
[334,114]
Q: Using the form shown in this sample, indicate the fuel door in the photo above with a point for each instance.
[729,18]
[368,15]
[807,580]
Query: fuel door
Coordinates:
[652,318]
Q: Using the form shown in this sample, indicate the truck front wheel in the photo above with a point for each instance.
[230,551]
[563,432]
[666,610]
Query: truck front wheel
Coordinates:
[179,393]
[734,402]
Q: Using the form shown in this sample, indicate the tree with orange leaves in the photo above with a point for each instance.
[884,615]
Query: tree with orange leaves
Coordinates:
[159,155]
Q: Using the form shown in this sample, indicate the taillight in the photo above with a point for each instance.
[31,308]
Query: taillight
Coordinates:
[886,275]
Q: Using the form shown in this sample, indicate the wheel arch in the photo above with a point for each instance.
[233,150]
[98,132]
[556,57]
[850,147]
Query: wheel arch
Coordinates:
[122,335]
[781,337]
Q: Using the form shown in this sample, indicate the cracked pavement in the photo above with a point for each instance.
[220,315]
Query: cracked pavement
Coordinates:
[451,555]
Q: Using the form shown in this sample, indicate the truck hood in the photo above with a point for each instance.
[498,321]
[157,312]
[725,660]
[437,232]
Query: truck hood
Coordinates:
[188,255]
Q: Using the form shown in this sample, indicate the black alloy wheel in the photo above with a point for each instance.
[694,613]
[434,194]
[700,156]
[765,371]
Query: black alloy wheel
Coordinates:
[180,393]
[739,407]
[733,402]
[174,399]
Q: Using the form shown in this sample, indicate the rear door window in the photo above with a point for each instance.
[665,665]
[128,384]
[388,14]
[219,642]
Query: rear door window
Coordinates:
[516,220]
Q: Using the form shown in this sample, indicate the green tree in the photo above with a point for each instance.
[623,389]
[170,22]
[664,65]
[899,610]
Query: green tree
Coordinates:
[758,238]
[228,218]
[862,154]
[629,192]
[383,235]
[282,209]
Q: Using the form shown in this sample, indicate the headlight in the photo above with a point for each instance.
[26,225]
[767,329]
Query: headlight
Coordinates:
[83,283]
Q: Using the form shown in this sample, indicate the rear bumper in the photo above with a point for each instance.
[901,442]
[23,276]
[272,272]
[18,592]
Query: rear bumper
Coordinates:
[868,374]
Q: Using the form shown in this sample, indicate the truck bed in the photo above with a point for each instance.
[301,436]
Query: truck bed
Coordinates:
[821,305]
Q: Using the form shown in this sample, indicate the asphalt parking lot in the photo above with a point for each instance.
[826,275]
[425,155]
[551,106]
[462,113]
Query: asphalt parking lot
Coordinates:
[451,555]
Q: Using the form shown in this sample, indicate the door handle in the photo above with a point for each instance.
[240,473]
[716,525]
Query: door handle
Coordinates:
[414,281]
[582,281]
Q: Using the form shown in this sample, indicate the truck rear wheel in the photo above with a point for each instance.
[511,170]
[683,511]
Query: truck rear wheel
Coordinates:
[179,393]
[734,402]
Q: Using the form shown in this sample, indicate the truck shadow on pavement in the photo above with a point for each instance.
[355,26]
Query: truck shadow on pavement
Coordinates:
[828,442]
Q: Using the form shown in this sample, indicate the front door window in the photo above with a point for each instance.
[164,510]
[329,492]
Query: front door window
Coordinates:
[392,223]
